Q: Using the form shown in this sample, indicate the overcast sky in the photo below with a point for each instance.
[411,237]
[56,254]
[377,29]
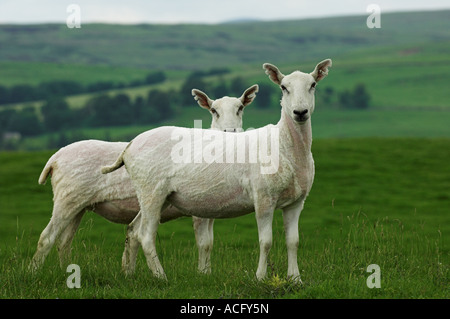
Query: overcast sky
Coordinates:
[197,11]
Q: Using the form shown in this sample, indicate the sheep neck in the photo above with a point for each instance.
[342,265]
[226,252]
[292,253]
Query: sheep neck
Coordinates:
[295,137]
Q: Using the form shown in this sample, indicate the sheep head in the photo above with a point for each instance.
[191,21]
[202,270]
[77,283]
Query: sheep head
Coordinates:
[227,111]
[298,89]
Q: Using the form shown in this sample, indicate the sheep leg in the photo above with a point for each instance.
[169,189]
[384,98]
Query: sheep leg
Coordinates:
[66,238]
[59,221]
[291,216]
[204,236]
[131,247]
[147,227]
[264,220]
[147,238]
[211,241]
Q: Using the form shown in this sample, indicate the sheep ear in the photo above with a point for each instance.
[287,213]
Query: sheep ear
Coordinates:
[321,70]
[274,74]
[249,95]
[202,99]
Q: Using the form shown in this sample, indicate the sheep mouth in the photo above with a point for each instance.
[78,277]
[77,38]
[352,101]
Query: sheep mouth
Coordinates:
[233,130]
[301,118]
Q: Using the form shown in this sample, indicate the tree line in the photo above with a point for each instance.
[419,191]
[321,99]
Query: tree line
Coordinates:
[106,110]
[21,93]
[99,111]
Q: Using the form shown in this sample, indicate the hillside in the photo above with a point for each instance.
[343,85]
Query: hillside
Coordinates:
[381,145]
[223,45]
[382,201]
[404,67]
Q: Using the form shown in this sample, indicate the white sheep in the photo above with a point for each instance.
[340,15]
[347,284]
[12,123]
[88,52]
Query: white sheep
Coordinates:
[79,186]
[224,189]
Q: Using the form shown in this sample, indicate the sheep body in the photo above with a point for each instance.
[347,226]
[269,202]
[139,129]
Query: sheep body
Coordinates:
[236,183]
[221,190]
[78,186]
[76,179]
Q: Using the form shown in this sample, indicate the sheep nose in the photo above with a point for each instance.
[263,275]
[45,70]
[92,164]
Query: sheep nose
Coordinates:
[300,113]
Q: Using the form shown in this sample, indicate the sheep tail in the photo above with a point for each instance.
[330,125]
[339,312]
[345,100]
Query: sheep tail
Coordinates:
[117,164]
[46,171]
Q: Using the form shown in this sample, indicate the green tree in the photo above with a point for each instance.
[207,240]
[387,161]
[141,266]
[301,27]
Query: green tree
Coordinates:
[137,109]
[264,96]
[237,87]
[327,95]
[25,122]
[5,120]
[57,114]
[155,77]
[345,100]
[22,93]
[220,90]
[361,97]
[120,109]
[194,81]
[59,88]
[97,111]
[357,99]
[158,107]
[4,95]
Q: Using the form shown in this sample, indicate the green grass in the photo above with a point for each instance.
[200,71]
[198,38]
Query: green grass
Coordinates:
[393,78]
[374,201]
[34,73]
[405,63]
[407,98]
[196,46]
[404,66]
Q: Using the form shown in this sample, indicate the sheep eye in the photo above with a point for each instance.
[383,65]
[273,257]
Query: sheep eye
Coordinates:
[213,111]
[284,89]
[313,86]
[239,109]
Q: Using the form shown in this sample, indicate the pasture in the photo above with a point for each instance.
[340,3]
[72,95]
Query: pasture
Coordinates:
[374,201]
[381,189]
[402,103]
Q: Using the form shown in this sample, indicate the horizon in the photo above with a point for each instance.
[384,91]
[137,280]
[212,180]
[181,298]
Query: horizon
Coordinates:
[237,20]
[175,12]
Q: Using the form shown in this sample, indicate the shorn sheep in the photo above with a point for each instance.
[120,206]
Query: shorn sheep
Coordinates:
[79,186]
[224,185]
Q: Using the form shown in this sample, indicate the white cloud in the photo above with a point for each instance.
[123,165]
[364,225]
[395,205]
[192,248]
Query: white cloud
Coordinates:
[199,11]
[119,13]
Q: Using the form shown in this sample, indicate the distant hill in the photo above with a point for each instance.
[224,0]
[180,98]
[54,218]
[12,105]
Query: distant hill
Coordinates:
[192,47]
[404,68]
[241,20]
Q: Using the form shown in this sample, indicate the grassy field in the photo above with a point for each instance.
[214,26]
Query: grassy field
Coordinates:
[147,46]
[374,201]
[402,64]
[406,76]
[380,194]
[402,104]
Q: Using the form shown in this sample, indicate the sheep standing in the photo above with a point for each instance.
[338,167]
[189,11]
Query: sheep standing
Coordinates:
[228,189]
[79,186]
